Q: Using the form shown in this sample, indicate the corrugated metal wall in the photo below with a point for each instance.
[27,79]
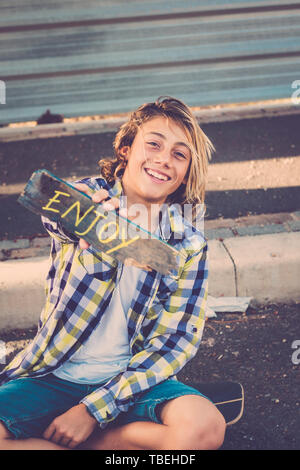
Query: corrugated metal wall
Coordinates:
[101,57]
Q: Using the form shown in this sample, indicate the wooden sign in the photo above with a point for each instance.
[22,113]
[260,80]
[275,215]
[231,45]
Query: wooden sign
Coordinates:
[106,231]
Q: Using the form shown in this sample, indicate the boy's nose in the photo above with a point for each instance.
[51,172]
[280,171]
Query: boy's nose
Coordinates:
[162,157]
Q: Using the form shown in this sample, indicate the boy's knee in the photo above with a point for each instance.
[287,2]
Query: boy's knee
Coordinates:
[211,435]
[201,434]
[194,423]
[5,435]
[4,432]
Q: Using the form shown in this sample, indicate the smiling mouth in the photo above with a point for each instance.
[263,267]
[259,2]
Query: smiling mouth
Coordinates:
[161,177]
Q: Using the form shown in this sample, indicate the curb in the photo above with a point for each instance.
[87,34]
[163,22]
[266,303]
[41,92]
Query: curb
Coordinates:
[220,229]
[264,267]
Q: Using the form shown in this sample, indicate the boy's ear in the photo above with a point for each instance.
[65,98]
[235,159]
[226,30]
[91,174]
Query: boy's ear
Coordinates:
[124,151]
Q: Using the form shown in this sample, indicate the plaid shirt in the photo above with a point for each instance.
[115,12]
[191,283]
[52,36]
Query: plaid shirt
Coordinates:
[165,320]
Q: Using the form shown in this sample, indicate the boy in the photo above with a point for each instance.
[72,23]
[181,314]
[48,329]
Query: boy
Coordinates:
[100,373]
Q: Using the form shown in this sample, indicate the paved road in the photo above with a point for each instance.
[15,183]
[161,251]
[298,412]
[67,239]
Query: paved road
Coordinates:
[254,349]
[255,169]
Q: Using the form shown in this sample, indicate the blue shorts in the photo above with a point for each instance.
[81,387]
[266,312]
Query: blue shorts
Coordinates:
[28,405]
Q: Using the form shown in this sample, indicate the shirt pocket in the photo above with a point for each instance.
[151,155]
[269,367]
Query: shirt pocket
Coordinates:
[98,264]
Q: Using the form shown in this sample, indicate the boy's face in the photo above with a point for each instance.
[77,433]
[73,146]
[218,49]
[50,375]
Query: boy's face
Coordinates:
[157,162]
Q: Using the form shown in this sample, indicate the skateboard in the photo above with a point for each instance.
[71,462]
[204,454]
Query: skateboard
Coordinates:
[227,396]
[107,231]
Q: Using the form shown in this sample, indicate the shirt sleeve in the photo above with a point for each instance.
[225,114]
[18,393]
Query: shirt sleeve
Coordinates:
[56,231]
[172,342]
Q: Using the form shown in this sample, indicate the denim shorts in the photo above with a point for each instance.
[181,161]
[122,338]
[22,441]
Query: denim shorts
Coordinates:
[28,405]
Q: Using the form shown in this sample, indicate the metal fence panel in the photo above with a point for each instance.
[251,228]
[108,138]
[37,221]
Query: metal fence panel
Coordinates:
[104,57]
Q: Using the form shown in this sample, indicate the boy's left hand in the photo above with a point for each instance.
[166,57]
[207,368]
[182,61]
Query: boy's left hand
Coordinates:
[72,427]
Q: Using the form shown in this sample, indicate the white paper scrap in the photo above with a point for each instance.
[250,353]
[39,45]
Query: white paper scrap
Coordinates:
[226,304]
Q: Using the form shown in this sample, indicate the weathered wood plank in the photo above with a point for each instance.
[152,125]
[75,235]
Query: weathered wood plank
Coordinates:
[106,231]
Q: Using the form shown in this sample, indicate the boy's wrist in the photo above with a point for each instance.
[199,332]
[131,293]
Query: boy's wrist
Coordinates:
[86,412]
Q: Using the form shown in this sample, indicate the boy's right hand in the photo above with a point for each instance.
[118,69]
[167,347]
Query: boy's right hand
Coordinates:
[98,197]
[102,197]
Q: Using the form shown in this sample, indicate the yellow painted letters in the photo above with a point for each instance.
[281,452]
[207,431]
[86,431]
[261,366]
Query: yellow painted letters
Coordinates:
[54,199]
[77,205]
[123,243]
[81,234]
[104,228]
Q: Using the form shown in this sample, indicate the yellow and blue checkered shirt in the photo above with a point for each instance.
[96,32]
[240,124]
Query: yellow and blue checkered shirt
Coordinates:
[165,320]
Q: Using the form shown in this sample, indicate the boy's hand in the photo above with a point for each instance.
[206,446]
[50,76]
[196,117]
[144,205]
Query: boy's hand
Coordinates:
[72,427]
[98,197]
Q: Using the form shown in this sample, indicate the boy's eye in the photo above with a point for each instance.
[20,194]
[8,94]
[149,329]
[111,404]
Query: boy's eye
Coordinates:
[179,155]
[153,144]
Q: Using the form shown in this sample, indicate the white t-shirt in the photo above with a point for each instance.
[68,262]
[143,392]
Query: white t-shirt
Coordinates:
[106,352]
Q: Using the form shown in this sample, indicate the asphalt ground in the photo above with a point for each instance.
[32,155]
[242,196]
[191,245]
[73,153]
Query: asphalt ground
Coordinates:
[255,349]
[237,186]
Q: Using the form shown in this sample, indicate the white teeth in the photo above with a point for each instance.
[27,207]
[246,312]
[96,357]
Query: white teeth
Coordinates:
[157,175]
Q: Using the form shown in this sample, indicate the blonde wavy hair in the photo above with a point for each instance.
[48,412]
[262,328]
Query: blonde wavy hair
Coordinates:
[193,192]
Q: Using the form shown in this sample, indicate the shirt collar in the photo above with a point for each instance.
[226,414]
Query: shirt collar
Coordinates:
[171,223]
[116,190]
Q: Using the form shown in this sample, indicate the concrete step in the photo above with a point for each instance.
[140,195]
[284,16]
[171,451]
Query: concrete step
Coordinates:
[265,267]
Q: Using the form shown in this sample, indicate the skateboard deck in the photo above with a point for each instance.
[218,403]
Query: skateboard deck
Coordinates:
[227,396]
[47,195]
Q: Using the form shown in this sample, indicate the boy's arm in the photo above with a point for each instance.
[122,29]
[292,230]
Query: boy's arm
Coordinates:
[173,341]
